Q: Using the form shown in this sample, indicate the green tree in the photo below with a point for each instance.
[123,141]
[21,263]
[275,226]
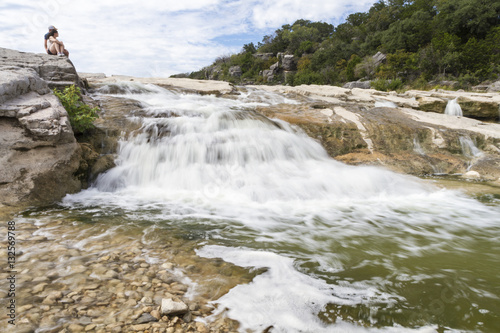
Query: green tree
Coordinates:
[249,48]
[410,33]
[467,18]
[446,51]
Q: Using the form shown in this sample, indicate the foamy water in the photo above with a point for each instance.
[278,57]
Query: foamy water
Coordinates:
[453,108]
[344,248]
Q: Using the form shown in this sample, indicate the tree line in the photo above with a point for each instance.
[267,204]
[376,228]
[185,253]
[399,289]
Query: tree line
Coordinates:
[423,41]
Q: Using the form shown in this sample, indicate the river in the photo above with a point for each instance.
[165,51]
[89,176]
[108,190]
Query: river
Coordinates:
[329,247]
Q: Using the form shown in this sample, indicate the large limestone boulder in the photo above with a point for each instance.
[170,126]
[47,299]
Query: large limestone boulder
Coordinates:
[235,71]
[58,72]
[263,56]
[431,104]
[480,108]
[39,155]
[288,62]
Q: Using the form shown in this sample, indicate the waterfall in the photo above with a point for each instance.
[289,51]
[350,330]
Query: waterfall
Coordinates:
[469,149]
[417,147]
[218,147]
[385,104]
[453,108]
[322,238]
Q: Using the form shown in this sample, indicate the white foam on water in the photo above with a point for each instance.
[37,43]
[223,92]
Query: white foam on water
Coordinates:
[288,300]
[385,104]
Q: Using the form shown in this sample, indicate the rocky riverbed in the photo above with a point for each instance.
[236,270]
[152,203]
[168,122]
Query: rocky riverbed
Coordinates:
[77,276]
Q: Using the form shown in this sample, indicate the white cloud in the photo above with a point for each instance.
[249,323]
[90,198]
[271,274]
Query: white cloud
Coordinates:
[155,38]
[278,12]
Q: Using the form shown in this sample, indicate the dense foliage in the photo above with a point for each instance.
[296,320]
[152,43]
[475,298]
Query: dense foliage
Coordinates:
[423,40]
[81,116]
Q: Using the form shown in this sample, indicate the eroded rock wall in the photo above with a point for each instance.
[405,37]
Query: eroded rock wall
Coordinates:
[38,151]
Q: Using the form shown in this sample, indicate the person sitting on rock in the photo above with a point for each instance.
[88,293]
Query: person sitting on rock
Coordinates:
[46,38]
[56,46]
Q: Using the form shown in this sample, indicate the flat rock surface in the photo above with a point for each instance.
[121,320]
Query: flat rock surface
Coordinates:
[56,71]
[201,86]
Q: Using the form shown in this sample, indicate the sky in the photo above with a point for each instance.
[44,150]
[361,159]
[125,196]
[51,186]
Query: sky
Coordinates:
[157,38]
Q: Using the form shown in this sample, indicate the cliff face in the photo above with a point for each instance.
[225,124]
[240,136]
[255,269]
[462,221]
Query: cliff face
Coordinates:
[38,151]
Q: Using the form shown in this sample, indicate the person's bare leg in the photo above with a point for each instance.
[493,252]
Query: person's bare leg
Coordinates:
[60,49]
[63,50]
[54,48]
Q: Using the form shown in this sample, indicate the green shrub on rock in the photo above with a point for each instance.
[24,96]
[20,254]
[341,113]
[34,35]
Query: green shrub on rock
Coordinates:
[387,85]
[81,116]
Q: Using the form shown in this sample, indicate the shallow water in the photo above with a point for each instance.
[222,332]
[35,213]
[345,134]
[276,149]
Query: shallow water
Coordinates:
[333,248]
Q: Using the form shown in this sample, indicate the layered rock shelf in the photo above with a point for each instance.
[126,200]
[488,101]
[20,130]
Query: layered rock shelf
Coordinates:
[38,153]
[481,106]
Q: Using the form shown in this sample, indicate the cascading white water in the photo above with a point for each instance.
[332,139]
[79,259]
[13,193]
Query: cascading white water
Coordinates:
[417,147]
[385,104]
[270,197]
[469,149]
[453,108]
[246,156]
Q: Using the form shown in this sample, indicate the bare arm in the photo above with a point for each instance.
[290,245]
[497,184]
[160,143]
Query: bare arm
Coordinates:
[54,40]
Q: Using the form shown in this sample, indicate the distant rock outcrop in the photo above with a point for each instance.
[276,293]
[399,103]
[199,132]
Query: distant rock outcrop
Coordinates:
[358,84]
[379,58]
[288,62]
[235,71]
[39,155]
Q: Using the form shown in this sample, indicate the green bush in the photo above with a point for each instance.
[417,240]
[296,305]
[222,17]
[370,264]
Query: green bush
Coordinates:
[387,85]
[81,116]
[307,77]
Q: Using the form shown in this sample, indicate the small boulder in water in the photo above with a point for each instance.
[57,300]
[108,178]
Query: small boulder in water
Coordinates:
[145,318]
[472,175]
[171,307]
